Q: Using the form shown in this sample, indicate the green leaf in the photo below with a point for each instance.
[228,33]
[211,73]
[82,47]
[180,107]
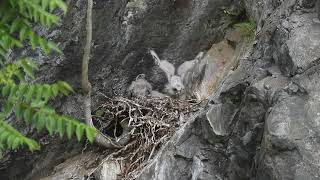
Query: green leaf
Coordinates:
[34,41]
[44,45]
[79,131]
[54,47]
[17,43]
[2,129]
[48,110]
[6,41]
[10,141]
[16,143]
[27,69]
[30,93]
[50,124]
[31,63]
[33,145]
[8,106]
[90,132]
[6,90]
[52,6]
[13,90]
[70,129]
[20,75]
[47,93]
[62,5]
[24,33]
[45,4]
[4,136]
[3,54]
[64,87]
[42,21]
[39,90]
[61,127]
[55,90]
[40,121]
[28,115]
[22,89]
[38,104]
[19,110]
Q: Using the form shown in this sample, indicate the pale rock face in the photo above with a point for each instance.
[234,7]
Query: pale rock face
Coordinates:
[109,170]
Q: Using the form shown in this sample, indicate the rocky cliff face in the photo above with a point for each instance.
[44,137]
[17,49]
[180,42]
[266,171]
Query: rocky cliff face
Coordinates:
[262,120]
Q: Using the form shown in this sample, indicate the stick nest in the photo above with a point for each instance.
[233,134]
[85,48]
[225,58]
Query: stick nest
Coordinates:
[150,123]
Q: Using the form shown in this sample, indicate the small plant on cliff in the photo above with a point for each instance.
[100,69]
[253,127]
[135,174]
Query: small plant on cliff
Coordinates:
[246,28]
[20,98]
[239,20]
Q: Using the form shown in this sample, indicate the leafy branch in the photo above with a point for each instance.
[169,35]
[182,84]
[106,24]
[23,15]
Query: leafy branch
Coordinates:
[29,101]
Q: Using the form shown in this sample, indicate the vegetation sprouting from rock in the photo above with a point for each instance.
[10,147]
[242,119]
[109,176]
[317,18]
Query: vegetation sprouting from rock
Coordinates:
[239,20]
[21,96]
[246,28]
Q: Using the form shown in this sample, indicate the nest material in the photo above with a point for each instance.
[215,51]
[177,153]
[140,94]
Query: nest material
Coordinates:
[149,122]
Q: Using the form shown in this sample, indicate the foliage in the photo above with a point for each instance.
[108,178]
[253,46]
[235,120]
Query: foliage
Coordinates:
[246,28]
[29,101]
[239,20]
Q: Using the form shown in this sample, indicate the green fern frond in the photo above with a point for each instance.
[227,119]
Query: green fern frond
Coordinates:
[6,40]
[21,28]
[46,117]
[16,17]
[37,10]
[10,138]
[38,94]
[21,69]
[41,118]
[29,101]
[52,5]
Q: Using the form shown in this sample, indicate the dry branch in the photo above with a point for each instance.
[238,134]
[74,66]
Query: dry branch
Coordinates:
[100,138]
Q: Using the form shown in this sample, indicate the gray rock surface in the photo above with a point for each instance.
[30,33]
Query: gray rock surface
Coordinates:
[262,121]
